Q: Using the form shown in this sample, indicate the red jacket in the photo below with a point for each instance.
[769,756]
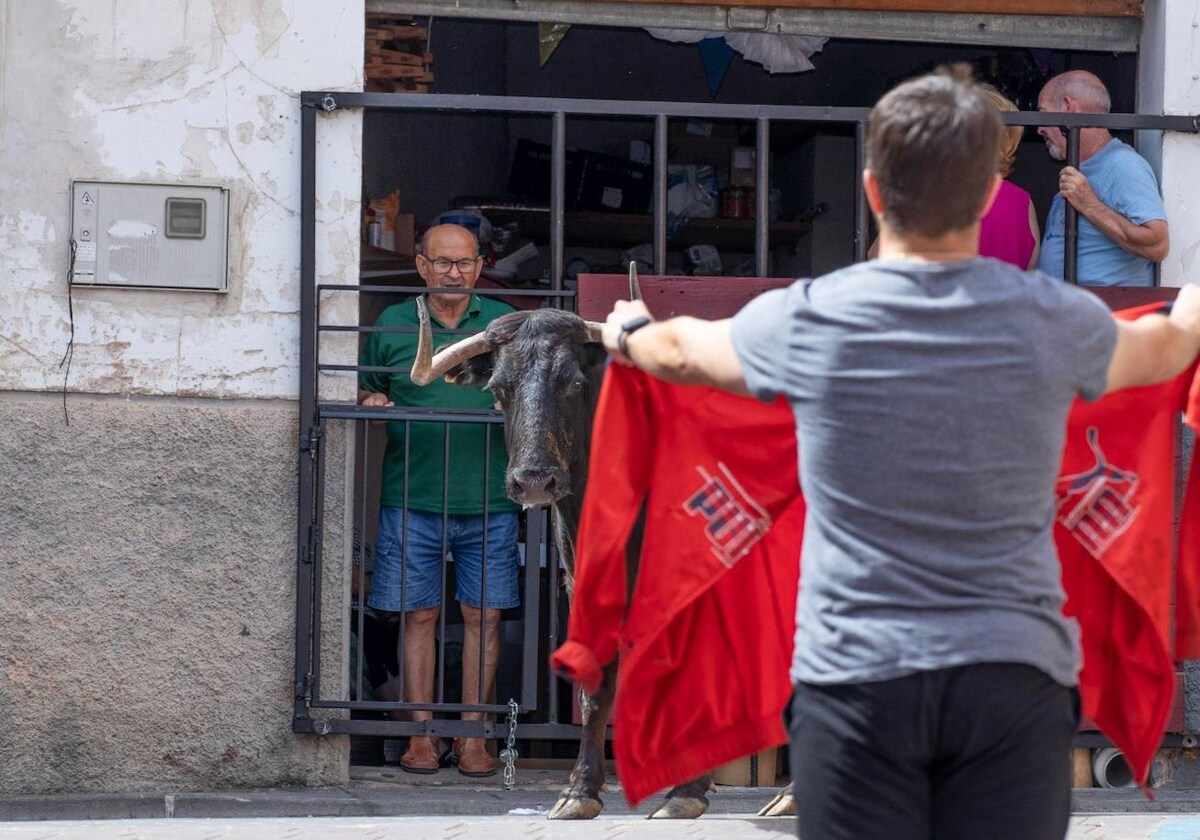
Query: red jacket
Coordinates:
[1113,536]
[707,640]
[1115,500]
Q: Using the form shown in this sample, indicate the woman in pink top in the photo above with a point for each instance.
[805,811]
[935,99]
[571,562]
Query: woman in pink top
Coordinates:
[1009,231]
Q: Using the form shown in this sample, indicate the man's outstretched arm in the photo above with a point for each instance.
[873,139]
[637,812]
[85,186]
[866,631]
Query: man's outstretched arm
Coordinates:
[682,350]
[1155,348]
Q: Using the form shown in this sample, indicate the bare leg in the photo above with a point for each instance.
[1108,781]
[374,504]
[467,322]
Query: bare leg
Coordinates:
[477,687]
[580,799]
[419,658]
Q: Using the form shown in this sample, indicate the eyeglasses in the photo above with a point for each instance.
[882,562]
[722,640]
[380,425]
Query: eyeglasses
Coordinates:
[441,265]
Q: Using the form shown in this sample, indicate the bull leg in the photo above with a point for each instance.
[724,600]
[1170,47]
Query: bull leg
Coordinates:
[580,799]
[686,801]
[783,805]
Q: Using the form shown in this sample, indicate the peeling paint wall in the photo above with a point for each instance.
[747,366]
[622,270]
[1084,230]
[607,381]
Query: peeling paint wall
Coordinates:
[148,616]
[177,93]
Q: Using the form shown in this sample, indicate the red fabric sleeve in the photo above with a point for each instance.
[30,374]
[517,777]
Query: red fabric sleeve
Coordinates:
[1187,593]
[618,478]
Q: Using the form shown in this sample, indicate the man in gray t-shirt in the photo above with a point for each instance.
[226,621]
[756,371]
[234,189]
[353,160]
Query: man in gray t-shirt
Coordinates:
[934,671]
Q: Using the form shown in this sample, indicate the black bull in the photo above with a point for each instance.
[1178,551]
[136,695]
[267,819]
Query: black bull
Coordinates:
[544,368]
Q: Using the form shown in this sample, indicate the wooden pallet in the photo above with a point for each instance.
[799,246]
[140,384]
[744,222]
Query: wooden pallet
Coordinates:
[396,58]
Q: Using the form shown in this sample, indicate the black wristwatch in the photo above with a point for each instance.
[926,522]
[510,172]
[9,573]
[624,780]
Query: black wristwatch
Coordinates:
[631,326]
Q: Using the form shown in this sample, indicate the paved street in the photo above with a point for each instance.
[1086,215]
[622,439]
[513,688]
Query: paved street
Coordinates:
[530,827]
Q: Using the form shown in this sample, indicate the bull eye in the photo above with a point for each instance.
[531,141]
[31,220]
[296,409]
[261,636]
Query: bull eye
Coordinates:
[576,386]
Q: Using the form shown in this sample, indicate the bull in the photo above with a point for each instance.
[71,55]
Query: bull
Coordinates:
[545,367]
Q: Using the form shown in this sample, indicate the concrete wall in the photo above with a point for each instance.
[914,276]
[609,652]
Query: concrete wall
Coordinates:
[1171,43]
[149,546]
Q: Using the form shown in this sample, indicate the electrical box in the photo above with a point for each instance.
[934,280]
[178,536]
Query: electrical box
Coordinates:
[149,236]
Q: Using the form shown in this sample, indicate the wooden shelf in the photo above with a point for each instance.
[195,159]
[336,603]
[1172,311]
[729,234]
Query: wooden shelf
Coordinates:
[623,230]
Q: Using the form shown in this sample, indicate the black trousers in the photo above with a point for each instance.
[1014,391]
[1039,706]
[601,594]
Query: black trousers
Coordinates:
[978,752]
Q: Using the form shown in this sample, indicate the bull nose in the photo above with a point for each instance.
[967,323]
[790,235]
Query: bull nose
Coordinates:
[534,484]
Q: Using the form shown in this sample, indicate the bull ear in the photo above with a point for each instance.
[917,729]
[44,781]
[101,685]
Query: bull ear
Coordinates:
[594,356]
[476,371]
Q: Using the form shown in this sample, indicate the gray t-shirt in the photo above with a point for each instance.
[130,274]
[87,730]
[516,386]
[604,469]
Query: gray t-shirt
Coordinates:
[931,404]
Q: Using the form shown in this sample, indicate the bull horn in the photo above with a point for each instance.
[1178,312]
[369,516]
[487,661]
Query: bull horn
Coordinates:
[427,366]
[595,331]
[635,291]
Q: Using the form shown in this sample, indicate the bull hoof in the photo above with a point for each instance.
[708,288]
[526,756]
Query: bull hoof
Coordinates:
[681,808]
[783,805]
[575,808]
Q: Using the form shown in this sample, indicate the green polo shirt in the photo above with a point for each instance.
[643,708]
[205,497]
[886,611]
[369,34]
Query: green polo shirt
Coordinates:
[464,493]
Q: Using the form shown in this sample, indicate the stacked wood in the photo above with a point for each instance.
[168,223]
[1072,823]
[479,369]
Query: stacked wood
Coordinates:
[396,57]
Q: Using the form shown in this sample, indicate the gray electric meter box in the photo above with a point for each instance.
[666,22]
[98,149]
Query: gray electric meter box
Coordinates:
[149,236]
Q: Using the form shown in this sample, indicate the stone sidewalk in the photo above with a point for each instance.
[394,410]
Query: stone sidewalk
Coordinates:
[382,803]
[517,827]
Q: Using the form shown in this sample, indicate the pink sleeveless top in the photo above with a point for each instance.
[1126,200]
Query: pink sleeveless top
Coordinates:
[1004,233]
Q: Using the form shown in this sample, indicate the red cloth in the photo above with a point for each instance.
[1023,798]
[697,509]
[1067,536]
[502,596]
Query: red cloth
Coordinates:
[706,644]
[1187,593]
[707,641]
[1115,500]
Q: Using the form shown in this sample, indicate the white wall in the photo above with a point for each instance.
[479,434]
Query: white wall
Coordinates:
[1177,24]
[134,90]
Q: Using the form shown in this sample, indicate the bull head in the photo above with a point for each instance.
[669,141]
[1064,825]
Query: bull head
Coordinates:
[428,366]
[544,367]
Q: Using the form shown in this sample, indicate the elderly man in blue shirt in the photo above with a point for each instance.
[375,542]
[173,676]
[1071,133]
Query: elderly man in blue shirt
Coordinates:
[1122,222]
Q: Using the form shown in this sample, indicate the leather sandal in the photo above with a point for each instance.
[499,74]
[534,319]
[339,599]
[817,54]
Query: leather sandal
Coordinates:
[473,759]
[421,756]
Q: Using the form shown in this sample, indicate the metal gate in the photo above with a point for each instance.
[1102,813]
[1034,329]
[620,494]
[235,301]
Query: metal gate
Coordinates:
[536,701]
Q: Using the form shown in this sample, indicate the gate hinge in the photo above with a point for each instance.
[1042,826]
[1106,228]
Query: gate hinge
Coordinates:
[302,689]
[309,442]
[312,539]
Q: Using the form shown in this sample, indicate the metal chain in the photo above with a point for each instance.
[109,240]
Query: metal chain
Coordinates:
[509,754]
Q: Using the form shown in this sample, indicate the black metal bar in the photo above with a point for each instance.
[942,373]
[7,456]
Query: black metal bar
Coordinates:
[346,411]
[1131,122]
[365,427]
[308,407]
[1071,219]
[762,197]
[441,648]
[661,138]
[451,728]
[713,110]
[530,660]
[416,290]
[317,557]
[401,686]
[558,188]
[862,211]
[483,598]
[386,705]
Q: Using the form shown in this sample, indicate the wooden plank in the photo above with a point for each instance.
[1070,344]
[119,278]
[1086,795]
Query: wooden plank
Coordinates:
[378,70]
[1079,8]
[396,57]
[701,297]
[721,297]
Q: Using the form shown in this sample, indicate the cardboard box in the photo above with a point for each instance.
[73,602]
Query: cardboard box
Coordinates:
[750,770]
[405,234]
[594,181]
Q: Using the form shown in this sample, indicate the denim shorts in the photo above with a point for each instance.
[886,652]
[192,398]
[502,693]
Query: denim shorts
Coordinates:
[410,550]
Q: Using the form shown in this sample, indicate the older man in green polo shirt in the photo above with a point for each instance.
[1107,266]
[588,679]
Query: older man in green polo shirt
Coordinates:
[438,510]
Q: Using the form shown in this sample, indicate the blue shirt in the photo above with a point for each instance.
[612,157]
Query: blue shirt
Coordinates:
[1122,179]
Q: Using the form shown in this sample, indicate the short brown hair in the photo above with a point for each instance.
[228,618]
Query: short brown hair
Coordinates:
[932,144]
